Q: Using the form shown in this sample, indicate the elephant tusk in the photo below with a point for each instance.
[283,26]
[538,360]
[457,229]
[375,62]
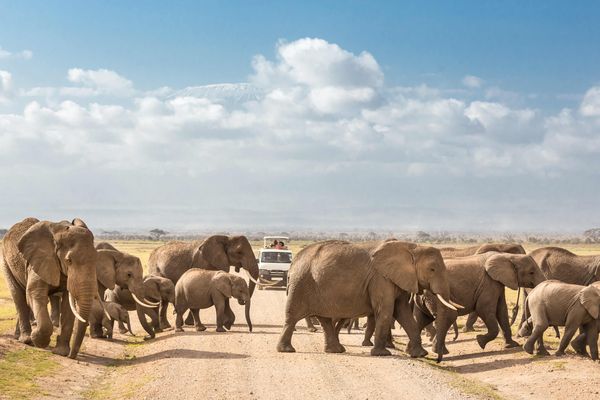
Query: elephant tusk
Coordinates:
[444,302]
[152,303]
[456,304]
[271,283]
[140,302]
[74,309]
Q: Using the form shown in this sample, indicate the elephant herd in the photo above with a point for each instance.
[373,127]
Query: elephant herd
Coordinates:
[94,285]
[420,287]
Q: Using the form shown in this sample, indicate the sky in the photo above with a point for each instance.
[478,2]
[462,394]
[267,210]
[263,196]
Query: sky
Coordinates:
[469,116]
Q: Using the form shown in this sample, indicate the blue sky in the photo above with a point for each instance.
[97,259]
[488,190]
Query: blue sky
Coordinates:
[398,115]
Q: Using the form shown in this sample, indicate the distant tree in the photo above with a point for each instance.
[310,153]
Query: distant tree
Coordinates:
[371,236]
[343,236]
[423,236]
[156,234]
[593,235]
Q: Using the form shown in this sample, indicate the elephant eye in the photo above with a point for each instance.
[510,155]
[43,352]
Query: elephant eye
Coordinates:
[129,275]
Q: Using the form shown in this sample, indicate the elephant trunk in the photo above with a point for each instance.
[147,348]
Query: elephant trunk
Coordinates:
[83,309]
[252,267]
[444,320]
[129,328]
[247,311]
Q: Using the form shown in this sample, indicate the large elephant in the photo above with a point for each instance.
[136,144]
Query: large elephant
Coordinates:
[563,304]
[477,282]
[215,253]
[40,258]
[560,264]
[513,248]
[451,252]
[337,279]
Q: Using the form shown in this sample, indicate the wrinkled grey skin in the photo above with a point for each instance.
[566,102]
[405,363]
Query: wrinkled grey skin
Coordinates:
[63,257]
[562,304]
[341,280]
[560,264]
[451,252]
[101,326]
[198,289]
[477,283]
[215,253]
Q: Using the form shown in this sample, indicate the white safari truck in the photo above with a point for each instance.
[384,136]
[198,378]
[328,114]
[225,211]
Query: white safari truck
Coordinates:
[274,260]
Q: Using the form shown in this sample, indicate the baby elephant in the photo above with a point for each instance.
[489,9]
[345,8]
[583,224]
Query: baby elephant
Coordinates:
[562,304]
[198,288]
[102,320]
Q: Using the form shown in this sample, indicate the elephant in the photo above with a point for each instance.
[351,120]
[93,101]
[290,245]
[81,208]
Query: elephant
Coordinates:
[563,304]
[513,248]
[40,258]
[103,317]
[159,289]
[216,253]
[198,288]
[115,268]
[340,280]
[477,282]
[451,252]
[560,264]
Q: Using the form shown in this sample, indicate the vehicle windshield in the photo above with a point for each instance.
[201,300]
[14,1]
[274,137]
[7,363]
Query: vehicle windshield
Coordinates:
[276,257]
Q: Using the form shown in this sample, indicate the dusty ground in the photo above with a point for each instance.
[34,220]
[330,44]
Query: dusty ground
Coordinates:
[245,365]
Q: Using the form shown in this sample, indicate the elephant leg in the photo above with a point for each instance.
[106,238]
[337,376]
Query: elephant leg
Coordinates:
[284,345]
[486,312]
[502,315]
[570,329]
[541,349]
[23,333]
[151,312]
[179,320]
[389,343]
[591,331]
[55,310]
[196,314]
[310,325]
[142,317]
[164,322]
[579,343]
[38,297]
[469,325]
[67,320]
[332,343]
[229,316]
[189,320]
[122,328]
[109,328]
[369,330]
[404,315]
[220,309]
[524,329]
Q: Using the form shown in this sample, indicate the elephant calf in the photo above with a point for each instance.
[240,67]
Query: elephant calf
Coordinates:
[198,288]
[102,320]
[563,304]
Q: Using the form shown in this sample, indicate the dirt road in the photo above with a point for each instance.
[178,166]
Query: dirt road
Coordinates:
[244,365]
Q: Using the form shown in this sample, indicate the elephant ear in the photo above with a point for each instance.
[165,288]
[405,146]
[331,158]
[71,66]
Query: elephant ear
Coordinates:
[223,284]
[39,250]
[214,252]
[152,289]
[394,261]
[590,298]
[106,268]
[501,269]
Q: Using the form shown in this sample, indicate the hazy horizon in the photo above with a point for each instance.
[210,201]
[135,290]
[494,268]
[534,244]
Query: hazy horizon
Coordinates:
[460,117]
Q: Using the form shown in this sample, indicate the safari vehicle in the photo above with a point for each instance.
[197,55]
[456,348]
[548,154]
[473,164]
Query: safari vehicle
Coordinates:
[274,260]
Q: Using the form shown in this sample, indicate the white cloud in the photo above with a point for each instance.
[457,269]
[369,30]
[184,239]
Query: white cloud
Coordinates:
[590,106]
[5,86]
[472,82]
[316,126]
[24,54]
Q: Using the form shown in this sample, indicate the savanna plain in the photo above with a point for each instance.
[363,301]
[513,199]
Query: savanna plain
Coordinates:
[244,365]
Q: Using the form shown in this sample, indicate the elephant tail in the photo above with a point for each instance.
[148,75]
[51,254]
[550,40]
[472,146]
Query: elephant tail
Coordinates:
[455,326]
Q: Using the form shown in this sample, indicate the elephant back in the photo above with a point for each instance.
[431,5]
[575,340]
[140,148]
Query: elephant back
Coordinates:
[171,260]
